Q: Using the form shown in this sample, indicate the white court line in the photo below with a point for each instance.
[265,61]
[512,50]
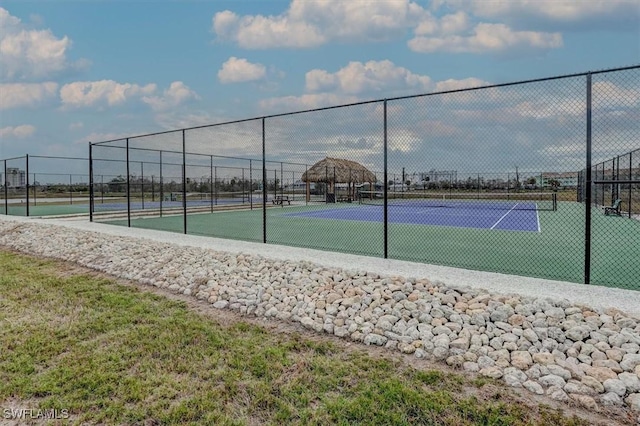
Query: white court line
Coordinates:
[503,216]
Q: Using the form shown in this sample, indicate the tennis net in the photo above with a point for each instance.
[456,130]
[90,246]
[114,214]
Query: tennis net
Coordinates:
[463,200]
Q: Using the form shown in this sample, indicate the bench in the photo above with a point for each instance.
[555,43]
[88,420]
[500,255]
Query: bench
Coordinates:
[281,199]
[614,209]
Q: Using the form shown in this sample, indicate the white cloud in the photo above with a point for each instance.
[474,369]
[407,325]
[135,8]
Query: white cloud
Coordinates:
[606,94]
[448,24]
[454,23]
[94,137]
[18,132]
[466,83]
[372,76]
[358,81]
[455,26]
[487,38]
[17,95]
[236,70]
[550,11]
[313,23]
[307,101]
[170,120]
[77,125]
[30,54]
[98,93]
[177,94]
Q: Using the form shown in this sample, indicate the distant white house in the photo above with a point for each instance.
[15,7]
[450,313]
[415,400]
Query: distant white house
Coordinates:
[565,180]
[398,186]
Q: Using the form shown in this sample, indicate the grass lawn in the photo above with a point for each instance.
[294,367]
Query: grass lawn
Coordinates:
[113,354]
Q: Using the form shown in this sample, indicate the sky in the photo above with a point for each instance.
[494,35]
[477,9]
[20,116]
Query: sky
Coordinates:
[74,72]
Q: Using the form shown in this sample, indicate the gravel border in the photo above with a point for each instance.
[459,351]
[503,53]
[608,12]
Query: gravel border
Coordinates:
[594,296]
[570,341]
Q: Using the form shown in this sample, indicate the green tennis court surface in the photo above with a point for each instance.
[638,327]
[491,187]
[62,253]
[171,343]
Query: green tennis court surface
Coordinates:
[556,252]
[46,209]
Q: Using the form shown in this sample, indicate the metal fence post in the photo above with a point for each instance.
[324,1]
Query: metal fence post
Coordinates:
[212,183]
[587,231]
[27,182]
[385,189]
[128,189]
[184,180]
[35,197]
[161,185]
[142,182]
[6,190]
[630,178]
[90,182]
[264,184]
[307,197]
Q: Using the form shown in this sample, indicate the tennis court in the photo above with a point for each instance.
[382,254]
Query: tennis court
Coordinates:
[470,144]
[80,205]
[543,243]
[515,212]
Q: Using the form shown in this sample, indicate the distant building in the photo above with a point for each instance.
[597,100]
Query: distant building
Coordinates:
[565,180]
[15,178]
[439,176]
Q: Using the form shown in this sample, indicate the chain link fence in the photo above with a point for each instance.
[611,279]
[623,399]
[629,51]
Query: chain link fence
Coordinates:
[536,178]
[36,185]
[14,193]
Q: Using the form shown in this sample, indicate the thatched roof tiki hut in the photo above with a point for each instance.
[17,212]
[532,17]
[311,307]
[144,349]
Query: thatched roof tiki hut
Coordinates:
[336,170]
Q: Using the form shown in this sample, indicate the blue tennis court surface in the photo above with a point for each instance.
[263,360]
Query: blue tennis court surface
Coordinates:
[498,219]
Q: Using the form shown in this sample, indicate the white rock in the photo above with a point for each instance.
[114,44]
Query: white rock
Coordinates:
[552,380]
[521,359]
[631,382]
[615,386]
[575,387]
[557,394]
[471,367]
[533,387]
[629,362]
[633,401]
[493,372]
[610,398]
[375,339]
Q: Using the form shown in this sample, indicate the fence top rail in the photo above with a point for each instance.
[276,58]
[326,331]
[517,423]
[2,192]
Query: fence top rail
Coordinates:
[492,86]
[609,160]
[58,157]
[14,158]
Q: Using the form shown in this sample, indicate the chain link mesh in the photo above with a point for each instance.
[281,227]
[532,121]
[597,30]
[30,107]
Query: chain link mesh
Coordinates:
[615,255]
[491,179]
[14,180]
